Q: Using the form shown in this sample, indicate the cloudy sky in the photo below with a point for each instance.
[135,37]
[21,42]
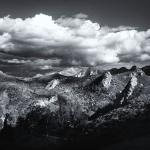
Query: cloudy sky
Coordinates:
[78,33]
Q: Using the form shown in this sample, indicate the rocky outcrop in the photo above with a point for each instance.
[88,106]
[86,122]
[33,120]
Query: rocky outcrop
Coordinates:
[137,70]
[107,80]
[52,84]
[133,83]
[72,71]
[121,98]
[127,92]
[86,72]
[103,81]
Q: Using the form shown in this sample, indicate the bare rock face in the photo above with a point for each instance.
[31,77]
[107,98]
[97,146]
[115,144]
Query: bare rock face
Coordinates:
[72,71]
[48,103]
[52,84]
[128,90]
[107,80]
[101,82]
[86,72]
[133,83]
[80,74]
[137,70]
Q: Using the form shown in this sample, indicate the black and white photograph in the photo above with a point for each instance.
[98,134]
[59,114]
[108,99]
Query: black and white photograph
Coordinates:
[75,74]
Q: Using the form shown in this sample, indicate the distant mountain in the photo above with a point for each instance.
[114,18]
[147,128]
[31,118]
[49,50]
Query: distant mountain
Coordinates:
[117,71]
[77,106]
[5,77]
[146,69]
[80,72]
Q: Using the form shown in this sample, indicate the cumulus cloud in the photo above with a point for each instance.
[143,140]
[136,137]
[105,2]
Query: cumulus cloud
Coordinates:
[73,40]
[17,61]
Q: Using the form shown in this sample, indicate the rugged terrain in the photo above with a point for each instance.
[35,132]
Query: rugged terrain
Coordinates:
[74,107]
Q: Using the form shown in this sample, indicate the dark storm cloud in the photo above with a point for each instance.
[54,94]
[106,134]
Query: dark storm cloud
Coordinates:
[73,40]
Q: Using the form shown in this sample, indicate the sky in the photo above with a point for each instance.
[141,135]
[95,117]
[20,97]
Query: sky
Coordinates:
[75,33]
[107,12]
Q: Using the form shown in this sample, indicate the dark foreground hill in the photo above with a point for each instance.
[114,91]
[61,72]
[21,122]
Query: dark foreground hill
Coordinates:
[89,109]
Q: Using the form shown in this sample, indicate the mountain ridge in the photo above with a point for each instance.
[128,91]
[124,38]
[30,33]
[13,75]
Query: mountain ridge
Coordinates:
[74,106]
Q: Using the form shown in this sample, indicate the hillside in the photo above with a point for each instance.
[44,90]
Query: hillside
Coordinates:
[67,107]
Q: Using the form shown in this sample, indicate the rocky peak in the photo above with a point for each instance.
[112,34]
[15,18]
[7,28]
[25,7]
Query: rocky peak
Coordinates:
[52,84]
[87,72]
[81,74]
[133,83]
[102,81]
[46,102]
[137,70]
[123,97]
[93,71]
[107,77]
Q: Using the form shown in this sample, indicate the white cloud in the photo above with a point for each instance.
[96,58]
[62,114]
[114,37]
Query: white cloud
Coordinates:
[5,42]
[17,61]
[73,40]
[144,57]
[46,67]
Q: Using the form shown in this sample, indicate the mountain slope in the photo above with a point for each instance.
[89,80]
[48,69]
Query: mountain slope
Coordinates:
[72,108]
